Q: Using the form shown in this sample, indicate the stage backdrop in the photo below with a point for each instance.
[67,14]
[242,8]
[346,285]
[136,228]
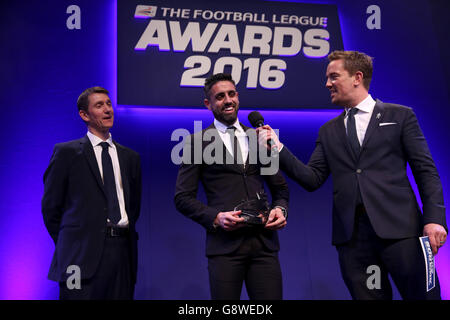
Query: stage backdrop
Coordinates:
[52,51]
[275,51]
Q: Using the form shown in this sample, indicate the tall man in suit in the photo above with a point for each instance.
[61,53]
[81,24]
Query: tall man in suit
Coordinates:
[376,218]
[91,202]
[237,252]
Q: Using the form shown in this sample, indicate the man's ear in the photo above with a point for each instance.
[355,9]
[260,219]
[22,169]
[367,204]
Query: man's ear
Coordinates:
[84,115]
[207,104]
[359,76]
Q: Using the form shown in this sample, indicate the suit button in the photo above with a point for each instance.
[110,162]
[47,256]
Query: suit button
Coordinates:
[358,171]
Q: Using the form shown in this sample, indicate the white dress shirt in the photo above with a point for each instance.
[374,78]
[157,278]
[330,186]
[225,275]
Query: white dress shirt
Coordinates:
[362,117]
[226,138]
[116,168]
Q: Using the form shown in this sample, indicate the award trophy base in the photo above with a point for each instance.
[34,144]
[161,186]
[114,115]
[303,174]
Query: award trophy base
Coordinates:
[254,212]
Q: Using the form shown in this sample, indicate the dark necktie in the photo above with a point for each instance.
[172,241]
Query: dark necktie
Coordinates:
[351,131]
[354,142]
[110,185]
[237,154]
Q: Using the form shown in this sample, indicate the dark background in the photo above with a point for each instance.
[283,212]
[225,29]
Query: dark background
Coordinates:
[45,66]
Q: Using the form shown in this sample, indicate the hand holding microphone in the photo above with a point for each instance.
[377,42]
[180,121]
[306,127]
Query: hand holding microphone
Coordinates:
[266,135]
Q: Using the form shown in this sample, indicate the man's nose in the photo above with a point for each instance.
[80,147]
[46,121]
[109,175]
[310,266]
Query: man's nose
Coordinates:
[228,99]
[328,84]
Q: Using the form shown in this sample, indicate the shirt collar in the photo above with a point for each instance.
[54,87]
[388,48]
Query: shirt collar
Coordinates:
[366,105]
[95,141]
[223,128]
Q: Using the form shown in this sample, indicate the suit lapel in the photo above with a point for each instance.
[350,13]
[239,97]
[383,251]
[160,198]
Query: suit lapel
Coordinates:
[341,132]
[252,147]
[227,156]
[225,153]
[377,115]
[88,152]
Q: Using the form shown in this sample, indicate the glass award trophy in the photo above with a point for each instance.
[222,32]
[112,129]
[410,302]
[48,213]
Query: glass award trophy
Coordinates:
[254,211]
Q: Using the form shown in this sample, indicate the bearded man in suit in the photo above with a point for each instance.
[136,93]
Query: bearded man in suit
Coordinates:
[237,252]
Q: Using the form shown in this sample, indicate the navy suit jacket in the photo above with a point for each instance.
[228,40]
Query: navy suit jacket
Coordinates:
[393,139]
[225,186]
[74,206]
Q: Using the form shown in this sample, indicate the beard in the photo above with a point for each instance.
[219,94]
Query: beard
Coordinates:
[226,118]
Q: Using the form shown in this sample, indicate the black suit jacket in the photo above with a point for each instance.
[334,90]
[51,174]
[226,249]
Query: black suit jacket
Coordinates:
[74,206]
[393,139]
[225,186]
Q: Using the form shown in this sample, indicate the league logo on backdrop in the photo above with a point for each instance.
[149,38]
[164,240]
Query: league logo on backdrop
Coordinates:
[275,51]
[145,12]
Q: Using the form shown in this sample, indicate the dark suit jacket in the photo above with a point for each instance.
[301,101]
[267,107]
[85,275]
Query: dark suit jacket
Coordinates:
[74,206]
[380,172]
[225,186]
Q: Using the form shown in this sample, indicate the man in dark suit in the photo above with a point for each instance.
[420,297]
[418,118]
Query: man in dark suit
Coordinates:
[237,252]
[91,202]
[376,218]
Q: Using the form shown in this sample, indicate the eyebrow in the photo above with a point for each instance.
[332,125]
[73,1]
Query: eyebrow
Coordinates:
[101,102]
[223,92]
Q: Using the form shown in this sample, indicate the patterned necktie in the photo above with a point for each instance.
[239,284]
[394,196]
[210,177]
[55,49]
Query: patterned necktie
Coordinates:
[351,131]
[237,154]
[109,183]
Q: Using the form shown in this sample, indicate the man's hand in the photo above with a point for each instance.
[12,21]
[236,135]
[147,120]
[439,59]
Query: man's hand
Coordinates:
[229,220]
[276,220]
[264,134]
[437,235]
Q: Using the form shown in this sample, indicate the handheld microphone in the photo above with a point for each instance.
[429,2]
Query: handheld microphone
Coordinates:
[257,120]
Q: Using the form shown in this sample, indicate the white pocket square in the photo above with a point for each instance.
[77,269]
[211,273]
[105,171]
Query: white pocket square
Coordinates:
[387,123]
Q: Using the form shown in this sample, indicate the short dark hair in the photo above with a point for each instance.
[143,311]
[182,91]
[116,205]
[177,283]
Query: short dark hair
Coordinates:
[212,80]
[355,61]
[83,99]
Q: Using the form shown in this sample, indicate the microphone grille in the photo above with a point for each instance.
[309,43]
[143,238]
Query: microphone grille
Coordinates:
[255,118]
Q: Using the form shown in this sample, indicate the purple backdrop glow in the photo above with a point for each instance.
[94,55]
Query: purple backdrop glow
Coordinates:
[47,66]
